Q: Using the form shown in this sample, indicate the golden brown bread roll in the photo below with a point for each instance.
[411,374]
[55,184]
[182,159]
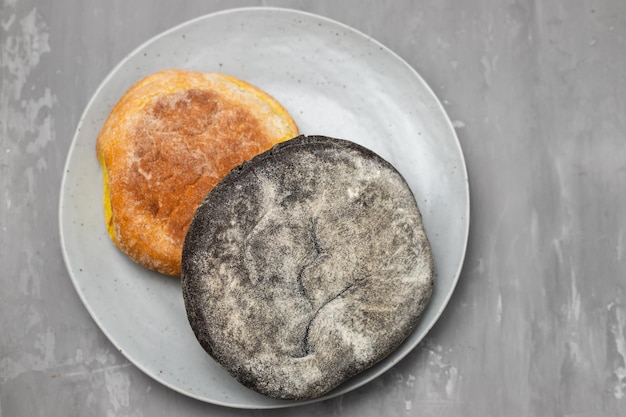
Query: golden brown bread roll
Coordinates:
[168,141]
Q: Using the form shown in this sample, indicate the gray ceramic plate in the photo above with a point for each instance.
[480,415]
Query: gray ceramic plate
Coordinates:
[335,81]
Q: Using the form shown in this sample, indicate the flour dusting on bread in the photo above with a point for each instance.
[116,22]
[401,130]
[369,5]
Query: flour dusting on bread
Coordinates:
[294,288]
[167,142]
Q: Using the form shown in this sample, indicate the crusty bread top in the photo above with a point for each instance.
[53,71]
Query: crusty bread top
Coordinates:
[167,142]
[305,266]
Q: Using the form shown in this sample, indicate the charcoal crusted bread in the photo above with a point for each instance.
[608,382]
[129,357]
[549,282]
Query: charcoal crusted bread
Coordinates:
[305,266]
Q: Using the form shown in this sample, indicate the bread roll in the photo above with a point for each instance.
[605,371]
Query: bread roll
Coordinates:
[305,266]
[166,143]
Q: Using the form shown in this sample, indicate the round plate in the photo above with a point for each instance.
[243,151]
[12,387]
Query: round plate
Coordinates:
[335,81]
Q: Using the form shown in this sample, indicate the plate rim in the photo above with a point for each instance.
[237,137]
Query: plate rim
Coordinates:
[296,12]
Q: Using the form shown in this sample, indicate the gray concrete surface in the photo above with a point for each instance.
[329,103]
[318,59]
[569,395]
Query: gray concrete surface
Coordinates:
[536,91]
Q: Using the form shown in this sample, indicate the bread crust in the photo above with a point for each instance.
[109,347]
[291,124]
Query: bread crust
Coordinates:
[167,142]
[305,266]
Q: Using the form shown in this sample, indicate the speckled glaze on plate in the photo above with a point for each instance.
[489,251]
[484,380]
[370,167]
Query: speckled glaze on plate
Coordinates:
[335,81]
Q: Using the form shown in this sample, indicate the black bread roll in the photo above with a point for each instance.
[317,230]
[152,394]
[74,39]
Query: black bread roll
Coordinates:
[305,266]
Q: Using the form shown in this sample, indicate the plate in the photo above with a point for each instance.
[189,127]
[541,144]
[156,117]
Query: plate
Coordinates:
[335,81]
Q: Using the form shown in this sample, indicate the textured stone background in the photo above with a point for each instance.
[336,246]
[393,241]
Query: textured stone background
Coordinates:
[536,91]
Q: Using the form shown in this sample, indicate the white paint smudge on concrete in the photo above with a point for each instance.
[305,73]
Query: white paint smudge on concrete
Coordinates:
[410,381]
[573,308]
[26,115]
[480,268]
[445,372]
[44,344]
[452,382]
[31,111]
[11,368]
[118,387]
[83,370]
[33,356]
[105,358]
[489,67]
[21,53]
[617,329]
